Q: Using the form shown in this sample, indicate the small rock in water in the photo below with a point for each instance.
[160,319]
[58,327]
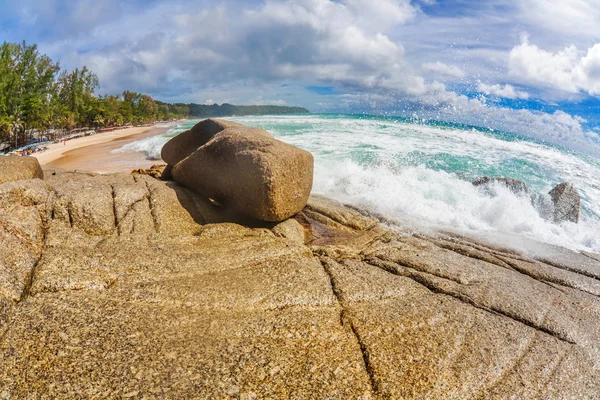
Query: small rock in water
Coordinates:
[566,202]
[516,186]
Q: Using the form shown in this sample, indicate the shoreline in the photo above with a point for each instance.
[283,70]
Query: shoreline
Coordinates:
[94,153]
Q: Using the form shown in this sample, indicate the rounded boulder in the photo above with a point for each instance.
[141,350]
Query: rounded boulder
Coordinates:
[17,168]
[250,172]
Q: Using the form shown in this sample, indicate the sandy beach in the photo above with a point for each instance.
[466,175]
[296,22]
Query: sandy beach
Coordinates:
[95,153]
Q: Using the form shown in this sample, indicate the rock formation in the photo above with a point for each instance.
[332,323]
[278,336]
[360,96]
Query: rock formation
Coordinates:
[516,186]
[566,203]
[243,169]
[563,204]
[14,168]
[156,171]
[124,286]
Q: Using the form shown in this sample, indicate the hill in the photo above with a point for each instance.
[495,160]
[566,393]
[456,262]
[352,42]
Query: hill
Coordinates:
[229,110]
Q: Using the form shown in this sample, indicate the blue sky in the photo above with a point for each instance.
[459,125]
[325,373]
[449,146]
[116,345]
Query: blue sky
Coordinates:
[528,66]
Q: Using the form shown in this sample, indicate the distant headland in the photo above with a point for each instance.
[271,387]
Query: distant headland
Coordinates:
[230,110]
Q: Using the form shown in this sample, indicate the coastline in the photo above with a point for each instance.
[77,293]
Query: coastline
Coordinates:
[94,153]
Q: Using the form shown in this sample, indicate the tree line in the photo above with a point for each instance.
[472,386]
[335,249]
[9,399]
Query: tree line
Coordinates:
[36,96]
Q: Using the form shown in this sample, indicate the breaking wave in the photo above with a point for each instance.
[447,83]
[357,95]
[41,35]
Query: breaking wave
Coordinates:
[421,173]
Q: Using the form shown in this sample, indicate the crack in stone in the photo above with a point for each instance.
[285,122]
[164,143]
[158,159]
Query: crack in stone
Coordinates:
[588,255]
[345,317]
[550,281]
[464,241]
[152,209]
[553,372]
[508,371]
[506,259]
[473,255]
[570,269]
[19,234]
[31,277]
[418,276]
[409,266]
[114,207]
[70,213]
[129,210]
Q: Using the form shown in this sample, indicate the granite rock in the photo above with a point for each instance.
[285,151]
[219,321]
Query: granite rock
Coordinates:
[116,286]
[16,168]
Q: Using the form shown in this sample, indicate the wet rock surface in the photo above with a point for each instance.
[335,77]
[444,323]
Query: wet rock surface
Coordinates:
[126,286]
[516,186]
[566,201]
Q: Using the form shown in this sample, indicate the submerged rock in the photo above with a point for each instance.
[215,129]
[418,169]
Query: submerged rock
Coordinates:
[123,285]
[516,186]
[250,172]
[566,202]
[16,168]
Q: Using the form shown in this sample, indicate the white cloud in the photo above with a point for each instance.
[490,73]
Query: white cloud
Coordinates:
[565,17]
[332,42]
[442,68]
[507,91]
[569,69]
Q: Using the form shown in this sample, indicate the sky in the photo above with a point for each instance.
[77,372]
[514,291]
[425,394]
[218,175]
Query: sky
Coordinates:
[531,67]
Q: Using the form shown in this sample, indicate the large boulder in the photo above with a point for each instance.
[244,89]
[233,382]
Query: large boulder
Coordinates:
[16,168]
[566,203]
[516,186]
[248,171]
[187,142]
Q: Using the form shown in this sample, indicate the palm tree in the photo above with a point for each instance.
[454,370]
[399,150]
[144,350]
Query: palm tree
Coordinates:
[99,120]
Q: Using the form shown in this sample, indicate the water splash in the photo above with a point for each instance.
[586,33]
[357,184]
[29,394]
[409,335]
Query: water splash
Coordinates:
[422,173]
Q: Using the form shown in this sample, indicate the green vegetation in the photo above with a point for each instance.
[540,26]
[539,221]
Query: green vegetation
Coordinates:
[36,96]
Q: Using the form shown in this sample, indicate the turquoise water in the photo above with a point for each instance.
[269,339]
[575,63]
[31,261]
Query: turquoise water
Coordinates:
[420,173]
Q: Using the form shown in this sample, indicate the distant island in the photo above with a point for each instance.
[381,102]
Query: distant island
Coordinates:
[230,110]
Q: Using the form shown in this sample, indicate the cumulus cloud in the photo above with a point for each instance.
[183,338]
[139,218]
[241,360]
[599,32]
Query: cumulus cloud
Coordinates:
[507,91]
[59,18]
[566,17]
[569,69]
[317,40]
[442,68]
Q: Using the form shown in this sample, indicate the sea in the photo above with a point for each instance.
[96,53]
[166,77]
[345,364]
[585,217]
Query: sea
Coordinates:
[418,174]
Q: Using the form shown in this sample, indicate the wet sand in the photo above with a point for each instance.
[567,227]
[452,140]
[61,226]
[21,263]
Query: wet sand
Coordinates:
[94,153]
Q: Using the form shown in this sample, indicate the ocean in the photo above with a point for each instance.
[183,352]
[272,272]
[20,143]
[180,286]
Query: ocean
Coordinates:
[419,174]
